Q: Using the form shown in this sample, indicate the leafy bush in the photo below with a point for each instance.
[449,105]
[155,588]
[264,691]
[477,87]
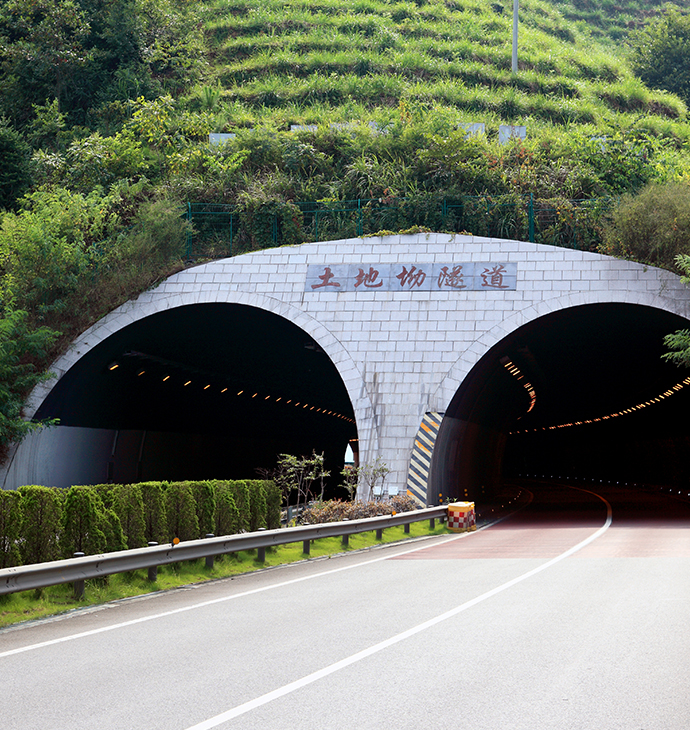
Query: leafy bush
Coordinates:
[82,522]
[652,227]
[10,528]
[273,499]
[41,523]
[128,505]
[205,499]
[335,510]
[227,515]
[155,513]
[181,510]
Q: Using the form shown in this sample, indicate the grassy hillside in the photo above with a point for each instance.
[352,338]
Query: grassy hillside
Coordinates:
[612,19]
[328,61]
[106,112]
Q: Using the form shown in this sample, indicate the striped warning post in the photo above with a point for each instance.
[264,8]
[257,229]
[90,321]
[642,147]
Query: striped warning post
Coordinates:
[420,461]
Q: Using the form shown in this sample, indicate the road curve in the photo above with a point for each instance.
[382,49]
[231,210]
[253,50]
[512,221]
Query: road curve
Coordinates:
[570,615]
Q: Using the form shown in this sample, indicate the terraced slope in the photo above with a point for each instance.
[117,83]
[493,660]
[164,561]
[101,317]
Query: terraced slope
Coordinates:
[334,61]
[613,19]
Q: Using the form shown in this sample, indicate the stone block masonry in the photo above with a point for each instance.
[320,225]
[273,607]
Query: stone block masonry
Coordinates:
[412,315]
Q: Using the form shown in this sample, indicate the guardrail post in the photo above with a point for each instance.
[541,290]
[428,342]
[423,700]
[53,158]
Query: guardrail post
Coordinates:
[306,547]
[379,533]
[153,570]
[78,585]
[432,523]
[406,528]
[345,539]
[261,552]
[209,558]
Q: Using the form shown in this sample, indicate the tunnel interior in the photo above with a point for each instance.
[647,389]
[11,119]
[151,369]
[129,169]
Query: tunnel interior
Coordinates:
[206,391]
[581,393]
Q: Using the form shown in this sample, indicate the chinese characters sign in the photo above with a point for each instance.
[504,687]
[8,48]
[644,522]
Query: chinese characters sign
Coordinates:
[411,277]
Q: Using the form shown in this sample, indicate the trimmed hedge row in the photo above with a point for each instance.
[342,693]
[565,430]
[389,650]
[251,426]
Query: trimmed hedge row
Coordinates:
[38,524]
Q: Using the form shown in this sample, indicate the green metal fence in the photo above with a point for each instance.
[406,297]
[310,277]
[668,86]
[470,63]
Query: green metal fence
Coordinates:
[225,230]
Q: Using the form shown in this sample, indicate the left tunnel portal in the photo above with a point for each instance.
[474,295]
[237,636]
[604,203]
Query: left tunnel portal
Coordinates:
[195,392]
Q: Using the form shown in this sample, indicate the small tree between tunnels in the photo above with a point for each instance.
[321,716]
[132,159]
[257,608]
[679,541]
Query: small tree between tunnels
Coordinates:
[300,474]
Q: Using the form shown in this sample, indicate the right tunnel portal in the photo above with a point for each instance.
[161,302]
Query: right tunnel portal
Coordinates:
[581,393]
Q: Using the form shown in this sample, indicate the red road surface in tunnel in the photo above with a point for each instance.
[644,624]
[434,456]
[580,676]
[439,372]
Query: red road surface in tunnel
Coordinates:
[644,525]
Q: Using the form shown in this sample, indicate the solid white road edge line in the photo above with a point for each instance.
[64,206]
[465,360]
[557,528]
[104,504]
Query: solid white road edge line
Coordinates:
[164,614]
[310,678]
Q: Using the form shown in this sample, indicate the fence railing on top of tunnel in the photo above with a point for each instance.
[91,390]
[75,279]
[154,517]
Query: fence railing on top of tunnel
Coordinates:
[226,230]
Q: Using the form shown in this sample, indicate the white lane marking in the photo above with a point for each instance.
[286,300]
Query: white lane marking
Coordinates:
[213,601]
[321,673]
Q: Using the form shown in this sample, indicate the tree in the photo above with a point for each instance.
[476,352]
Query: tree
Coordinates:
[42,43]
[19,344]
[370,474]
[298,473]
[660,52]
[678,343]
[14,171]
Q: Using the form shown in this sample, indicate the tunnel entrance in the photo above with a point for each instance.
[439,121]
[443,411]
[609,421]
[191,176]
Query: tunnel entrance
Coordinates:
[579,393]
[197,392]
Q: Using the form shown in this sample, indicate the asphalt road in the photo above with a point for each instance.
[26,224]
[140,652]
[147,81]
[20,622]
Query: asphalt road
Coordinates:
[572,614]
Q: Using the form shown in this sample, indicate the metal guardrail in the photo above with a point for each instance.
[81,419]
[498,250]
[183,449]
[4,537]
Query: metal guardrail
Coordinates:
[76,570]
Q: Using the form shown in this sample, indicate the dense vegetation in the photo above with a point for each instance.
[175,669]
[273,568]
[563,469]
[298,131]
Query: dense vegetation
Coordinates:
[39,524]
[107,107]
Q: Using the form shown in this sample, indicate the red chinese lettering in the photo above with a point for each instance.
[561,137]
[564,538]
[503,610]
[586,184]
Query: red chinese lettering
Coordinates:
[413,277]
[326,279]
[493,278]
[453,279]
[368,278]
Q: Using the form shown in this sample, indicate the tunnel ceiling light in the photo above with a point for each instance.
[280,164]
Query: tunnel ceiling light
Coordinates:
[515,371]
[114,365]
[633,409]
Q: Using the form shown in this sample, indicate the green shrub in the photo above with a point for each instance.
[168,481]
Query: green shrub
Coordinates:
[128,505]
[652,227]
[240,493]
[227,515]
[180,507]
[41,523]
[110,525]
[155,514]
[10,528]
[274,500]
[82,522]
[205,498]
[257,505]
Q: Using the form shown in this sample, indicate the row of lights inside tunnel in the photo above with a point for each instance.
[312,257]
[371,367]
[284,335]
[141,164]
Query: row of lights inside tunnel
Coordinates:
[594,480]
[516,373]
[277,399]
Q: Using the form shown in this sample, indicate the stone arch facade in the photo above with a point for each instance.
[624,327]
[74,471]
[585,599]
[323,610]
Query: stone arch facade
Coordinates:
[401,341]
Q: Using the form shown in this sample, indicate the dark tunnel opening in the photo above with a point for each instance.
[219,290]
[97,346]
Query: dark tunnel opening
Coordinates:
[206,391]
[582,393]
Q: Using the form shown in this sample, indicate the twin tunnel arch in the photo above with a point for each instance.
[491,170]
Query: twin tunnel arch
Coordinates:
[217,390]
